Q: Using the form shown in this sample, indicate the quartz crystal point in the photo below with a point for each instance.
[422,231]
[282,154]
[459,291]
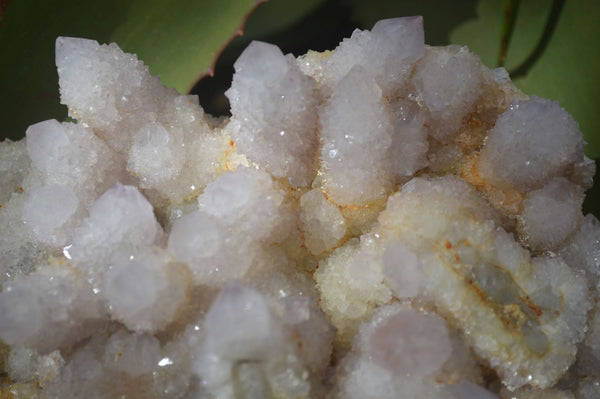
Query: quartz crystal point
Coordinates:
[383,220]
[274,113]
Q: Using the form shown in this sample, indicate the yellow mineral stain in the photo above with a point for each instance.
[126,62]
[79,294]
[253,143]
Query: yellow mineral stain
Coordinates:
[506,199]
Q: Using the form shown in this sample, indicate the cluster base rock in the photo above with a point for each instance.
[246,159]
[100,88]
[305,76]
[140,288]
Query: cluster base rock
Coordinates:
[384,220]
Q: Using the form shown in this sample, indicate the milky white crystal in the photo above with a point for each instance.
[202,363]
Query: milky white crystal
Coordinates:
[448,83]
[48,309]
[551,214]
[322,222]
[239,214]
[26,365]
[384,220]
[47,209]
[145,289]
[121,219]
[402,270]
[582,251]
[247,350]
[352,175]
[384,366]
[532,141]
[387,52]
[410,343]
[274,113]
[153,156]
[14,166]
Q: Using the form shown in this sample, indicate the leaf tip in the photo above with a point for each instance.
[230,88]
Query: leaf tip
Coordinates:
[239,32]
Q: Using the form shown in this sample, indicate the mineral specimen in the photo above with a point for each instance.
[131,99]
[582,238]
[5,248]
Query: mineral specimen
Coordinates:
[384,220]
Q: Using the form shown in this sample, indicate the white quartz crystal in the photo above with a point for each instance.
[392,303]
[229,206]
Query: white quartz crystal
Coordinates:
[322,222]
[48,309]
[352,175]
[72,155]
[14,166]
[408,342]
[387,52]
[120,220]
[402,270]
[239,214]
[448,83]
[582,251]
[144,289]
[47,209]
[19,249]
[27,366]
[274,113]
[245,349]
[153,157]
[551,214]
[383,220]
[397,351]
[531,142]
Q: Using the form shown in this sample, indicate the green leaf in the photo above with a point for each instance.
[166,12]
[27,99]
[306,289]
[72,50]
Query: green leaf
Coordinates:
[553,53]
[178,39]
[267,22]
[569,68]
[509,11]
[277,15]
[483,35]
[286,23]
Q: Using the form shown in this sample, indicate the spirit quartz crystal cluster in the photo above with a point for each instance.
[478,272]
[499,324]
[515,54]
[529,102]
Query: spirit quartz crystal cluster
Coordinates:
[384,220]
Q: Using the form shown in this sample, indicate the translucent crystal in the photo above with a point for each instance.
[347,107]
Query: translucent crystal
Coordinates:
[530,143]
[274,113]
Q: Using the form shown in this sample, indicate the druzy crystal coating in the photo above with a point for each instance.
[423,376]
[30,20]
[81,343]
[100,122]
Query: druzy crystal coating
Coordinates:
[383,220]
